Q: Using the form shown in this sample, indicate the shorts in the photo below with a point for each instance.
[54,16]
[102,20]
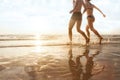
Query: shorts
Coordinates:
[76,16]
[91,18]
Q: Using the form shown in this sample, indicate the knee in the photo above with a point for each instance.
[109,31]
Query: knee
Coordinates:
[92,29]
[69,29]
[78,30]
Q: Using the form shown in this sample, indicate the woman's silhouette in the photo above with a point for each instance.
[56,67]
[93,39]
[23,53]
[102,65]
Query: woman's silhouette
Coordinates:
[91,19]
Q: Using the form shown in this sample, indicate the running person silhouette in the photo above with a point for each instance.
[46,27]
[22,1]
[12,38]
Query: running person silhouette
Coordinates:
[91,19]
[76,18]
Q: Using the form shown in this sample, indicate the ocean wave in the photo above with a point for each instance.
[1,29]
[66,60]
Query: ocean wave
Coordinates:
[49,40]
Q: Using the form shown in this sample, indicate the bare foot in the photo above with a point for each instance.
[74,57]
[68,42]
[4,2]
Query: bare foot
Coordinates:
[100,40]
[69,43]
[87,41]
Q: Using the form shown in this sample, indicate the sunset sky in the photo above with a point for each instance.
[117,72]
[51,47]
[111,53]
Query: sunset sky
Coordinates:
[52,16]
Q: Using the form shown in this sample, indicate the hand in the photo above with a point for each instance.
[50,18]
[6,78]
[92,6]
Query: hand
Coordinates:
[104,15]
[71,11]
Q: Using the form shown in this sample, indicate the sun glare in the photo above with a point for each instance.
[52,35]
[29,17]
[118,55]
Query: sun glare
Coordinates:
[38,43]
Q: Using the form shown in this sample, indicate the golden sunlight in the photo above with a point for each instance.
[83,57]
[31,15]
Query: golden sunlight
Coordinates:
[38,43]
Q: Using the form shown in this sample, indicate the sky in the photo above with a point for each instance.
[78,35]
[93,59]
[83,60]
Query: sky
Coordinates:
[52,16]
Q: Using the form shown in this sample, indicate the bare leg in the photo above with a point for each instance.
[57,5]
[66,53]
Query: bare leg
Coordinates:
[87,30]
[71,24]
[95,31]
[81,32]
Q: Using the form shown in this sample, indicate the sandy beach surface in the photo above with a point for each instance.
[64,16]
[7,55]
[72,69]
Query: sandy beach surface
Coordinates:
[58,62]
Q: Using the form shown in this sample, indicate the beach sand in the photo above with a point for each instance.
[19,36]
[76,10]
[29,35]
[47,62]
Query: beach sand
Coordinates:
[60,63]
[63,62]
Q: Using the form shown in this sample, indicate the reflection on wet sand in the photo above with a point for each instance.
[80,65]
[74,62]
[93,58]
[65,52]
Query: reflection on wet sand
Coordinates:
[75,67]
[70,67]
[80,71]
[48,68]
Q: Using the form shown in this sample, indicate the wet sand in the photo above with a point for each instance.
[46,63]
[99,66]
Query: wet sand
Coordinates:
[94,62]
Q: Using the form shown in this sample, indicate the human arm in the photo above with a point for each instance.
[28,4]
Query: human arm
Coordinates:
[84,7]
[99,10]
[75,4]
[84,11]
[83,3]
